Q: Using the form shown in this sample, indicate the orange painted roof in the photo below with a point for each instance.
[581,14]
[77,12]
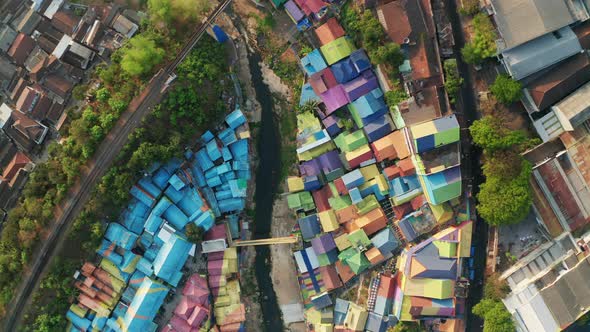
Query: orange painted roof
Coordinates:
[329,31]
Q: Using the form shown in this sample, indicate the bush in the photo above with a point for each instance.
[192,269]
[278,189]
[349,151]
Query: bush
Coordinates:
[496,317]
[389,54]
[453,81]
[483,45]
[506,89]
[141,55]
[470,7]
[394,97]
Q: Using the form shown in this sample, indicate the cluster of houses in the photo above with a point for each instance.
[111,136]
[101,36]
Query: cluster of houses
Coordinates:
[379,191]
[46,46]
[544,45]
[143,256]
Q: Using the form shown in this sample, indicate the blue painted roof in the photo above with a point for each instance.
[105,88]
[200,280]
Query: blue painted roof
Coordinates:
[171,258]
[203,160]
[344,71]
[120,236]
[145,305]
[360,60]
[175,217]
[213,150]
[385,241]
[235,119]
[313,62]
[307,94]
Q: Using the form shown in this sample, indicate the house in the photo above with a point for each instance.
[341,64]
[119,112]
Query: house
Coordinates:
[19,161]
[35,102]
[329,31]
[7,36]
[554,85]
[58,87]
[548,288]
[124,26]
[73,53]
[540,53]
[521,21]
[27,21]
[65,22]
[337,49]
[20,49]
[429,275]
[314,9]
[7,74]
[293,11]
[406,23]
[313,62]
[25,131]
[560,193]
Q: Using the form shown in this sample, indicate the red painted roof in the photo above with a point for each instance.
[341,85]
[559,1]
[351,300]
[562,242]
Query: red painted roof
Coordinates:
[322,81]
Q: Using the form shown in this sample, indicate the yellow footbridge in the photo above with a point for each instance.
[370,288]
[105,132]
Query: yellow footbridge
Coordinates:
[264,242]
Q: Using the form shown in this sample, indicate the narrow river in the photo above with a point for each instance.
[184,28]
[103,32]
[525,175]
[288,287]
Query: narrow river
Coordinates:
[269,167]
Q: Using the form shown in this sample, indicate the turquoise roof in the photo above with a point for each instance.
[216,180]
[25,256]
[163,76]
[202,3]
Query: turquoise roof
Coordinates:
[313,62]
[171,258]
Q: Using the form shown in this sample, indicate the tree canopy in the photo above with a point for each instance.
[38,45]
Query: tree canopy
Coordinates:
[390,54]
[405,327]
[496,317]
[505,197]
[182,11]
[453,81]
[506,90]
[483,45]
[141,55]
[194,233]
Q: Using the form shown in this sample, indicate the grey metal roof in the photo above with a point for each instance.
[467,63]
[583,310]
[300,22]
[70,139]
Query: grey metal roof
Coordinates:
[7,36]
[569,297]
[541,53]
[522,20]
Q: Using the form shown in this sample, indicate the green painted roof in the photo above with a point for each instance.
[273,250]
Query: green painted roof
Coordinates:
[339,202]
[359,238]
[446,248]
[367,205]
[337,50]
[350,141]
[358,262]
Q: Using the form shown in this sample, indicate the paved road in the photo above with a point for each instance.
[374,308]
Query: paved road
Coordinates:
[467,109]
[96,168]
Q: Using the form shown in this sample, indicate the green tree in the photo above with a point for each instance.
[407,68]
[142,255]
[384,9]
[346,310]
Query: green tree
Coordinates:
[483,45]
[490,134]
[308,106]
[103,94]
[394,97]
[506,89]
[371,30]
[506,201]
[141,55]
[389,54]
[405,327]
[495,315]
[453,81]
[182,11]
[194,233]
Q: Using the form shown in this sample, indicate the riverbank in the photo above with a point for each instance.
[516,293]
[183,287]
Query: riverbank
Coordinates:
[268,271]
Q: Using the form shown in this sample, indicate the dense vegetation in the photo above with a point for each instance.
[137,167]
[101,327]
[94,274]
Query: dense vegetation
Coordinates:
[120,81]
[505,197]
[483,45]
[367,32]
[159,139]
[495,315]
[453,81]
[506,89]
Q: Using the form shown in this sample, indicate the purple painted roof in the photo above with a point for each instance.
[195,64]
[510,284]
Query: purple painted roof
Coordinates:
[323,243]
[310,167]
[361,85]
[335,98]
[453,174]
[294,11]
[330,161]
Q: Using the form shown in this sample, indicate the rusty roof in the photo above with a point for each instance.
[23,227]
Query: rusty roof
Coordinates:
[329,31]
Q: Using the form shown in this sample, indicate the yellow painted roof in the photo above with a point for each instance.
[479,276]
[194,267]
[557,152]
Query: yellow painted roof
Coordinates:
[442,212]
[328,220]
[358,152]
[370,172]
[423,129]
[342,242]
[465,242]
[295,184]
[432,288]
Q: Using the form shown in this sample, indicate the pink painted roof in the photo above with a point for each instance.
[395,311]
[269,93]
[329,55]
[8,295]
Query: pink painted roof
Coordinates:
[311,6]
[185,308]
[214,267]
[198,316]
[216,232]
[179,324]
